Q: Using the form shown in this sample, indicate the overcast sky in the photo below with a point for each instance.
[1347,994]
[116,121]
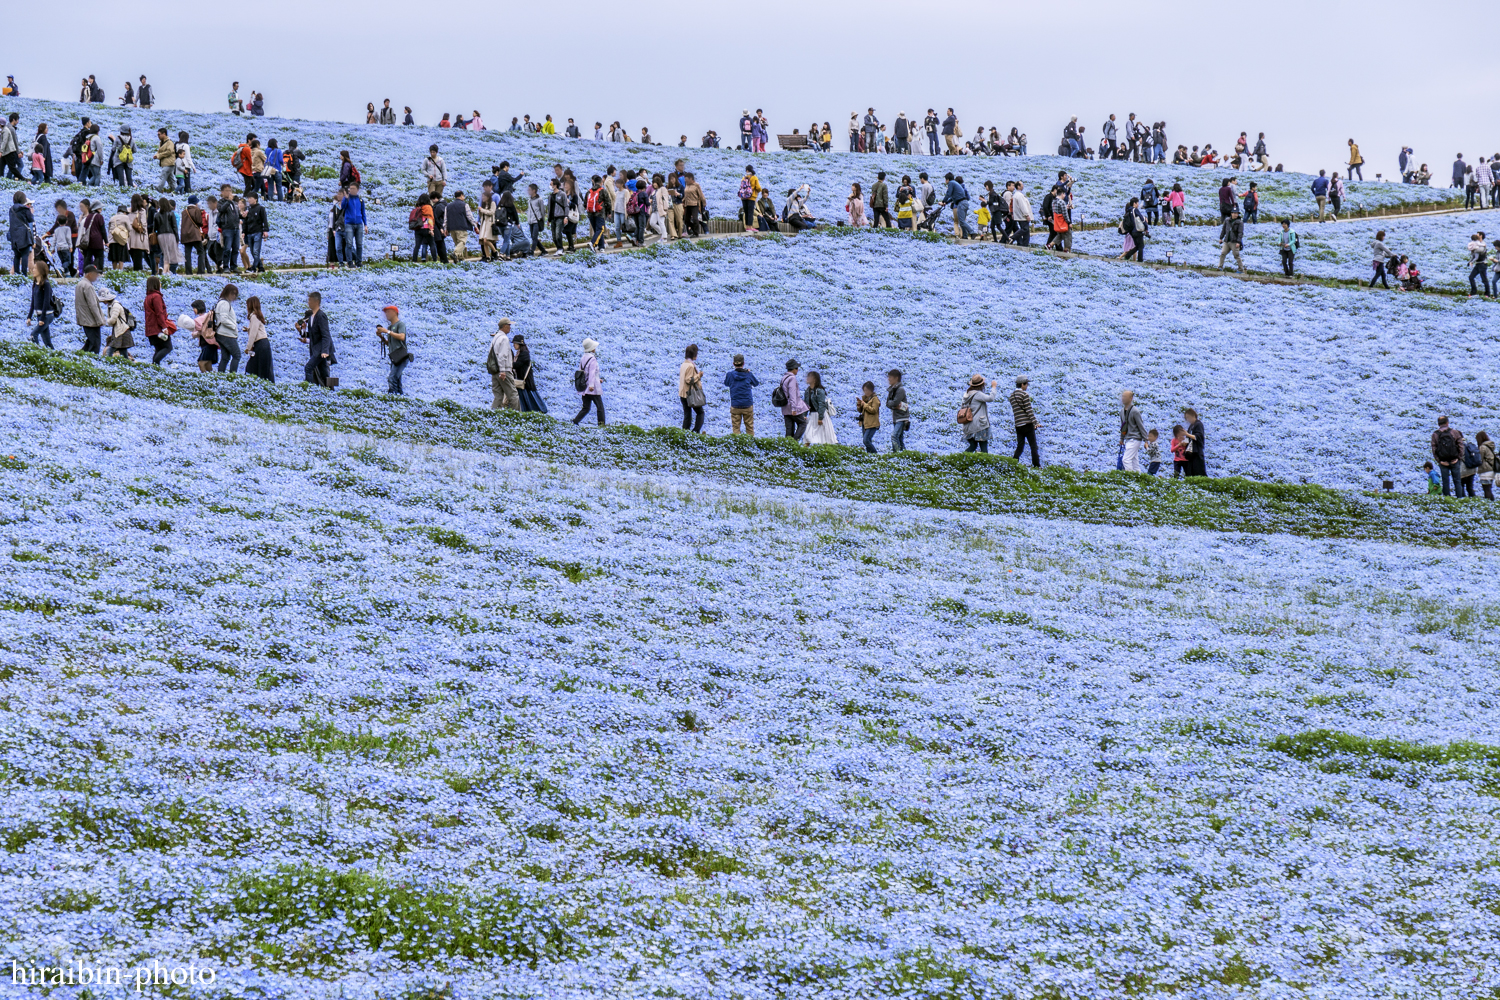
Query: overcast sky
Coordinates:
[1309,74]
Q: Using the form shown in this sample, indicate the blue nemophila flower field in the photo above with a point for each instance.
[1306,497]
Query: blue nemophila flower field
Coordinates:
[1295,383]
[390,161]
[356,715]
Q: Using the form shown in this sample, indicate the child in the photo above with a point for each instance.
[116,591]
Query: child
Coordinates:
[38,164]
[904,211]
[208,352]
[184,163]
[1179,451]
[869,415]
[1434,484]
[855,206]
[1153,452]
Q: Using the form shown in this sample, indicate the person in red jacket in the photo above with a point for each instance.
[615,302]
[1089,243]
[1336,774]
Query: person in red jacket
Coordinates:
[159,328]
[244,163]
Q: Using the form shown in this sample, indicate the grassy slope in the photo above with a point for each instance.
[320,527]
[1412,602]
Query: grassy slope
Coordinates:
[985,484]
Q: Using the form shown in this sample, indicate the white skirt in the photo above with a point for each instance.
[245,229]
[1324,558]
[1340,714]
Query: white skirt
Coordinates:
[820,431]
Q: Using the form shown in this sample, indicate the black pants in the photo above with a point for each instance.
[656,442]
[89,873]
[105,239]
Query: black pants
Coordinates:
[692,416]
[137,258]
[583,411]
[642,227]
[162,346]
[316,371]
[1478,271]
[1139,250]
[882,213]
[1466,484]
[690,222]
[20,258]
[747,212]
[796,426]
[91,339]
[1196,465]
[95,257]
[1286,262]
[10,164]
[1379,275]
[570,230]
[557,223]
[439,246]
[536,239]
[1026,434]
[187,258]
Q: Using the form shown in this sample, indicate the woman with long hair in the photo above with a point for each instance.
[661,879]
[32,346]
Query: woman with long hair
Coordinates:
[138,232]
[820,413]
[167,247]
[371,118]
[159,328]
[257,342]
[43,302]
[525,379]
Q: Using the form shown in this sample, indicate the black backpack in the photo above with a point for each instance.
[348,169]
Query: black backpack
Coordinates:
[778,395]
[1447,445]
[580,379]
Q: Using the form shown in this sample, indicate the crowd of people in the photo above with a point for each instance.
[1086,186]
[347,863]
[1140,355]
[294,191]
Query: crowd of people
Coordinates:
[1457,462]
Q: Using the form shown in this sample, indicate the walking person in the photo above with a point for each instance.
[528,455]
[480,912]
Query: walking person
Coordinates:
[159,327]
[44,308]
[1287,243]
[880,202]
[166,161]
[1356,162]
[525,382]
[258,360]
[1478,263]
[121,157]
[313,331]
[501,364]
[690,390]
[895,401]
[435,171]
[1132,432]
[1026,424]
[974,414]
[588,383]
[227,329]
[353,249]
[459,221]
[741,383]
[788,396]
[121,326]
[1380,258]
[1134,227]
[255,225]
[21,233]
[394,345]
[1320,194]
[1232,239]
[87,312]
[1197,455]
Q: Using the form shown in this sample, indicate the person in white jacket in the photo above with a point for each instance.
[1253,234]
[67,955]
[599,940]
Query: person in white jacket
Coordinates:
[1020,210]
[435,170]
[661,207]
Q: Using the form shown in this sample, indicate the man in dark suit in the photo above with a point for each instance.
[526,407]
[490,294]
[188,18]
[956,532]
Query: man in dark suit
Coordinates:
[1197,464]
[314,333]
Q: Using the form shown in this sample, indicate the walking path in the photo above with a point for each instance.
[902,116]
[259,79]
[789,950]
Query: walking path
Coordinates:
[1207,270]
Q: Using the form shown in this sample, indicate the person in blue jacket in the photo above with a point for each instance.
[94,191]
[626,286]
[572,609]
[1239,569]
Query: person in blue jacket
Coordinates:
[1320,192]
[958,197]
[354,227]
[741,382]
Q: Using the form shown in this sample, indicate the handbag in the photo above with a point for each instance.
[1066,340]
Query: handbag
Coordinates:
[695,396]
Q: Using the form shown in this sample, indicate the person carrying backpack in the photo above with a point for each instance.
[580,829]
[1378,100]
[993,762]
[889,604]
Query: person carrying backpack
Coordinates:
[587,381]
[749,194]
[1448,452]
[1288,246]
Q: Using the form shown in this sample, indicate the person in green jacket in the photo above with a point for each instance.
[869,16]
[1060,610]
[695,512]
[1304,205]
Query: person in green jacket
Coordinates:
[1288,244]
[880,202]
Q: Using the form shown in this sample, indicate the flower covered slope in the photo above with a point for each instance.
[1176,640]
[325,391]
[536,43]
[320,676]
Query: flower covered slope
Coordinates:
[1282,375]
[1328,250]
[390,162]
[347,716]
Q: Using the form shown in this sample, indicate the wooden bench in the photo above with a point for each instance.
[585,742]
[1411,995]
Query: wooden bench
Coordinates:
[792,142]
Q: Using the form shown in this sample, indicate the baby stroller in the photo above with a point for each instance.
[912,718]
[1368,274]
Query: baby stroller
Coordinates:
[934,213]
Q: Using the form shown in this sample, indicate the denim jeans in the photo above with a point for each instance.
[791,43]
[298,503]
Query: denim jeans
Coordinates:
[229,353]
[274,187]
[504,240]
[185,182]
[229,239]
[393,377]
[352,249]
[869,438]
[43,333]
[619,225]
[961,216]
[1453,472]
[252,244]
[898,436]
[983,446]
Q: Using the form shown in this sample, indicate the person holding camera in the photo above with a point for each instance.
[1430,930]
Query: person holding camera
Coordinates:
[393,345]
[312,330]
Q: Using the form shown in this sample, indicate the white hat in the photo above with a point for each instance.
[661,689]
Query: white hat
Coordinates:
[590,345]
